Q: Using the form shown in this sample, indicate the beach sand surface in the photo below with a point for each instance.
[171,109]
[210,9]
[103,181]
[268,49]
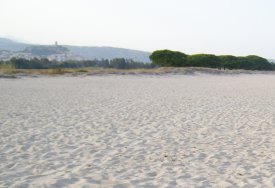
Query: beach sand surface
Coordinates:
[138,131]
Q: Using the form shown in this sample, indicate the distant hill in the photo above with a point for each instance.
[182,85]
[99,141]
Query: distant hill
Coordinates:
[109,53]
[271,60]
[45,50]
[10,45]
[84,52]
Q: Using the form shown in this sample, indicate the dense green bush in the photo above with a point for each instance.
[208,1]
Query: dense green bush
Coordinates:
[204,60]
[167,58]
[164,58]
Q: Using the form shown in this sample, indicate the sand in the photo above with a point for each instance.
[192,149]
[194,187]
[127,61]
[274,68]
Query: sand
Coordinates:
[138,131]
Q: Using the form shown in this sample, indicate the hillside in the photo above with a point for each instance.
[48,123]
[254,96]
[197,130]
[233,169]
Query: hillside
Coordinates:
[74,51]
[109,53]
[45,50]
[10,45]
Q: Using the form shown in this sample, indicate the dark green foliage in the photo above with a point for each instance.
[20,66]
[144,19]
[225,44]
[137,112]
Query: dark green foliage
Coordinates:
[204,60]
[164,58]
[251,62]
[118,63]
[29,64]
[255,63]
[229,62]
[167,58]
[121,63]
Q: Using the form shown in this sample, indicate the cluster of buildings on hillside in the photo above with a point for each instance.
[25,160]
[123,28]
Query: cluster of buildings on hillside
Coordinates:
[7,55]
[65,57]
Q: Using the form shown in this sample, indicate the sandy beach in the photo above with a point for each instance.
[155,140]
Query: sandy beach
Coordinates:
[138,131]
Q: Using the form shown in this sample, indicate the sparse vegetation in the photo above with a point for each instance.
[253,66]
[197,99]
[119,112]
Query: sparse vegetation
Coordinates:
[8,69]
[82,70]
[57,70]
[107,71]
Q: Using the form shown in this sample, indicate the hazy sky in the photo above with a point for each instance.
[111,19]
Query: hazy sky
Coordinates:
[238,27]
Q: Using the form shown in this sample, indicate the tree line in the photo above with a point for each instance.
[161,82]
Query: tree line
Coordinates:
[168,58]
[35,63]
[159,58]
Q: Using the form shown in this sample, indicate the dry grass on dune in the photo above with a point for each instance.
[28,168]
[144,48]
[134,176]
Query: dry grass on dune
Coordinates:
[102,71]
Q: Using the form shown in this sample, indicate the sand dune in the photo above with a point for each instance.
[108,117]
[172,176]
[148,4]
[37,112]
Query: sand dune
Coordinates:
[91,71]
[138,131]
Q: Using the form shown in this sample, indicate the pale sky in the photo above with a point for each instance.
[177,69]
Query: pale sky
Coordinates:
[238,27]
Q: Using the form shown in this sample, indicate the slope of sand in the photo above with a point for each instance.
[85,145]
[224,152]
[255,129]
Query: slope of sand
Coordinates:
[138,131]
